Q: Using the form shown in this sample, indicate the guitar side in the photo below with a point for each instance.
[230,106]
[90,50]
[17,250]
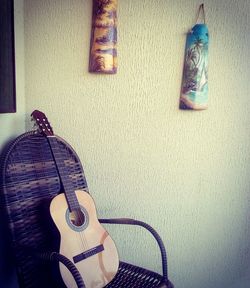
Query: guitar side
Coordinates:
[88,245]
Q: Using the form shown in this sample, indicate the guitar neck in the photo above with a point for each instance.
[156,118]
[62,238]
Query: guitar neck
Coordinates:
[64,174]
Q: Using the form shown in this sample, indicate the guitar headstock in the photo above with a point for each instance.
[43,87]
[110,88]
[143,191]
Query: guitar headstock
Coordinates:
[42,123]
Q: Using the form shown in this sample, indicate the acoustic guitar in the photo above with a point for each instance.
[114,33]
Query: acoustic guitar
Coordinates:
[82,238]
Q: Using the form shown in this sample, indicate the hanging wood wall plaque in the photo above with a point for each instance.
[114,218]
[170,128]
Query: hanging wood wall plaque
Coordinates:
[103,52]
[194,92]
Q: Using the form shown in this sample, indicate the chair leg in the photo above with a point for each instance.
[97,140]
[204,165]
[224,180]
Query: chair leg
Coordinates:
[167,284]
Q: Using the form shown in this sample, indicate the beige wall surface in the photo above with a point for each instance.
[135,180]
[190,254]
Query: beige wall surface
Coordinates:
[185,173]
[13,124]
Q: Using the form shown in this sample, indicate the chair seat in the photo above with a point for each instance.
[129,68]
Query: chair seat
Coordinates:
[129,276]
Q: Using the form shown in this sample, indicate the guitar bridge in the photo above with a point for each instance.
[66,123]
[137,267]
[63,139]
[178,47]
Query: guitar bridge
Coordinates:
[88,253]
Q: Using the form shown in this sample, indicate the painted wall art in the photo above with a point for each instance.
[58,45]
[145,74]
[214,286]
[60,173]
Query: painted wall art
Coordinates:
[194,90]
[103,50]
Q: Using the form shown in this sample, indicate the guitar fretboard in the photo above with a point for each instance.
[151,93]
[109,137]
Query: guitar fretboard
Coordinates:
[64,173]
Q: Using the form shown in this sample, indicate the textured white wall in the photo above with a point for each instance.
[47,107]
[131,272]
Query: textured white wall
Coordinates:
[186,173]
[13,124]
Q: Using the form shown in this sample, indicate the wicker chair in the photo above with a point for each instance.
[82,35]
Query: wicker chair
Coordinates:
[29,180]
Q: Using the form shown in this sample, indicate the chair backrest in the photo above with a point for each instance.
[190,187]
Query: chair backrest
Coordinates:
[29,180]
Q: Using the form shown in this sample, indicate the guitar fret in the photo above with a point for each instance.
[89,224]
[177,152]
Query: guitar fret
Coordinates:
[63,172]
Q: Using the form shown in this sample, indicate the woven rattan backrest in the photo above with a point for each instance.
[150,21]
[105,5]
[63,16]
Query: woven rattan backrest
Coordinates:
[29,180]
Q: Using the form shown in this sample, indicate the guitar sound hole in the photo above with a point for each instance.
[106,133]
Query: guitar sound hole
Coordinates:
[77,217]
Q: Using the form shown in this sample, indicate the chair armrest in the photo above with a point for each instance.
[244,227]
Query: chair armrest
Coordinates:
[54,256]
[128,221]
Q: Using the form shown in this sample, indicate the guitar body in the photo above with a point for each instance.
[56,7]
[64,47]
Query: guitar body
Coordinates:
[87,244]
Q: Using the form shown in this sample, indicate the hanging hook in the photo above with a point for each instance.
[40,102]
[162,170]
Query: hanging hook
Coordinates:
[201,10]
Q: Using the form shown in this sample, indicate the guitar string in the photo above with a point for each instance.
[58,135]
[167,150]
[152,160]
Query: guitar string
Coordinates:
[81,220]
[78,212]
[52,139]
[83,237]
[83,240]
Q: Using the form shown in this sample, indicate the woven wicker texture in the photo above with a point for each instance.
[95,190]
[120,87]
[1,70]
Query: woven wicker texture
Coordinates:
[130,276]
[29,180]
